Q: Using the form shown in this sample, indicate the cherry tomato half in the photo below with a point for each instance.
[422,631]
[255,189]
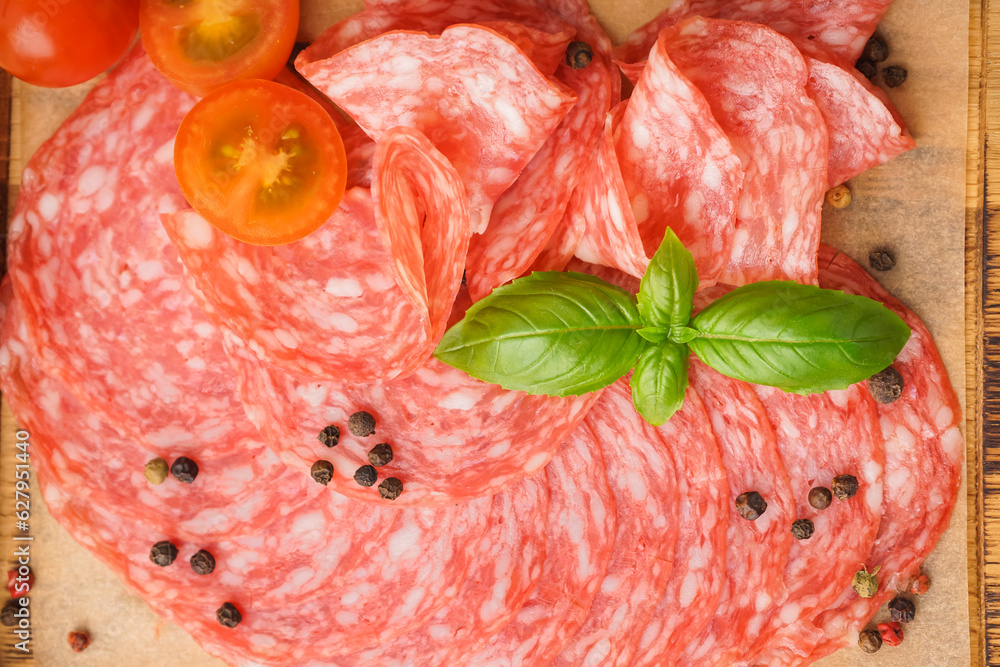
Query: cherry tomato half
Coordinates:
[260,161]
[202,44]
[56,43]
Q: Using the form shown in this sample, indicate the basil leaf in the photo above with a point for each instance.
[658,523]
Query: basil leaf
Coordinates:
[659,381]
[799,338]
[669,284]
[683,334]
[551,333]
[655,334]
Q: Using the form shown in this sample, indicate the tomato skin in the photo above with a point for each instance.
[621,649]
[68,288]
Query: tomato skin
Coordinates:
[165,24]
[58,43]
[261,162]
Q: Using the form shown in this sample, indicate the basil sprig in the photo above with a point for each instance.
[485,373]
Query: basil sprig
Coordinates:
[564,334]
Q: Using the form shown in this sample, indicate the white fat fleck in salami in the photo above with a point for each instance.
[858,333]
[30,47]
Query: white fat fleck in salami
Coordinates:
[923,467]
[754,80]
[756,551]
[453,437]
[678,166]
[580,531]
[475,95]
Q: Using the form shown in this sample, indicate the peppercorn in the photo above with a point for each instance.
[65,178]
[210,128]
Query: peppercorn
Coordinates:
[803,529]
[322,472]
[870,641]
[865,583]
[901,610]
[156,471]
[894,76]
[361,424]
[876,50]
[203,562]
[881,260]
[579,55]
[228,615]
[365,475]
[839,197]
[330,436]
[184,469]
[390,488]
[867,68]
[7,617]
[820,497]
[78,641]
[919,584]
[886,385]
[163,553]
[750,505]
[380,455]
[845,487]
[892,633]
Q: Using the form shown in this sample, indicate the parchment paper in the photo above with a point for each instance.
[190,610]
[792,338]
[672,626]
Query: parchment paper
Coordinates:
[913,206]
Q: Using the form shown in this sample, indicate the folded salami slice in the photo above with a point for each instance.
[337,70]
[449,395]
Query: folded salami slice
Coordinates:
[453,437]
[84,453]
[924,450]
[581,532]
[478,98]
[755,83]
[678,166]
[756,551]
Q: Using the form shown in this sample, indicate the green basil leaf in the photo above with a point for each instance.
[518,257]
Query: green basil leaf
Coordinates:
[654,334]
[799,338]
[551,333]
[669,284]
[683,334]
[659,381]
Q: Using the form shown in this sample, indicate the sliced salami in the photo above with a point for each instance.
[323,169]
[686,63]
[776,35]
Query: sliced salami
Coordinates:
[478,98]
[754,80]
[581,532]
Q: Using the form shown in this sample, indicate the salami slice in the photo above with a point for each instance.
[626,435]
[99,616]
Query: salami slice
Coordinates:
[453,437]
[482,103]
[678,167]
[756,551]
[754,80]
[581,532]
[924,450]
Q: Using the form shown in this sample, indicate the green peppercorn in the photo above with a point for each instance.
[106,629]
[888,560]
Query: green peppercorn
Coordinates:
[865,583]
[7,617]
[901,610]
[881,260]
[203,563]
[322,472]
[365,475]
[390,488]
[361,424]
[380,455]
[163,553]
[820,497]
[845,487]
[870,640]
[156,471]
[579,55]
[803,529]
[894,76]
[750,505]
[184,469]
[876,50]
[330,436]
[228,615]
[886,386]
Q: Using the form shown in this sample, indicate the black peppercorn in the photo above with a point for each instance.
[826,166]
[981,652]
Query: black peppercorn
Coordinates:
[203,562]
[803,529]
[163,553]
[845,486]
[390,488]
[579,55]
[7,617]
[330,436]
[886,386]
[876,50]
[184,469]
[380,454]
[361,424]
[894,76]
[881,260]
[322,472]
[228,615]
[870,641]
[820,497]
[867,68]
[901,610]
[365,475]
[750,505]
